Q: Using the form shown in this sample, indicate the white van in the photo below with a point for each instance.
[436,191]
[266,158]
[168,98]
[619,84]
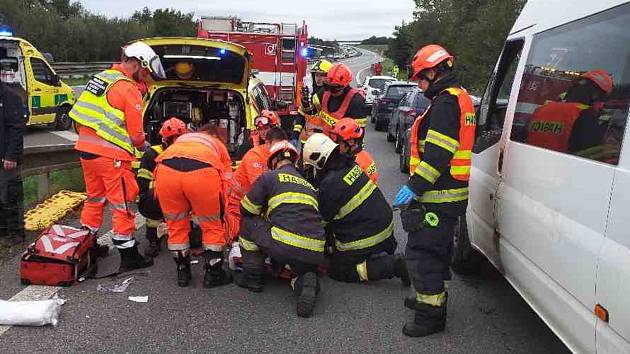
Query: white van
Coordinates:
[556,221]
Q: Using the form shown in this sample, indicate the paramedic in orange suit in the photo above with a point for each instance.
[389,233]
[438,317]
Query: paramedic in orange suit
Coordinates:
[191,178]
[108,115]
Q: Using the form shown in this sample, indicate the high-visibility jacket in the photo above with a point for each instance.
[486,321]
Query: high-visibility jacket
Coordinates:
[290,205]
[551,125]
[144,174]
[452,186]
[94,111]
[355,211]
[253,164]
[367,164]
[331,117]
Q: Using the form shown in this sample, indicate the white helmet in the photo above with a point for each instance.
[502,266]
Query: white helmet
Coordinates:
[147,57]
[317,149]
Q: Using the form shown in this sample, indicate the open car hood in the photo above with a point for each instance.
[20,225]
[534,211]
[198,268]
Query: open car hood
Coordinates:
[200,62]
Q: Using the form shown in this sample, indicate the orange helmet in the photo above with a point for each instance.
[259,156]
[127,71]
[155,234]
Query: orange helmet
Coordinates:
[600,78]
[172,127]
[428,57]
[267,119]
[339,75]
[346,129]
[285,148]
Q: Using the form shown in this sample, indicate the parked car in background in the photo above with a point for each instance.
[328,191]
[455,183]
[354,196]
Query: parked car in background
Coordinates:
[410,107]
[373,87]
[384,106]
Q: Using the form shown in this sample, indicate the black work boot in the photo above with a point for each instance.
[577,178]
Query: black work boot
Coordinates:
[131,259]
[306,287]
[215,274]
[428,319]
[250,280]
[154,243]
[183,269]
[401,270]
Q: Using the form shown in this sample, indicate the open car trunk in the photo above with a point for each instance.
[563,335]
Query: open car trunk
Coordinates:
[196,107]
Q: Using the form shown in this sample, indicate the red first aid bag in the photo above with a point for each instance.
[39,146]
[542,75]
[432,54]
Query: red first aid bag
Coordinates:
[59,256]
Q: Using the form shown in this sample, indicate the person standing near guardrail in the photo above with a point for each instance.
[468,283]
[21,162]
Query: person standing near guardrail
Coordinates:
[12,127]
[108,115]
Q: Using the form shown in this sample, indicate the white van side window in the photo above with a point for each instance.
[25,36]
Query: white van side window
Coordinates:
[491,112]
[575,90]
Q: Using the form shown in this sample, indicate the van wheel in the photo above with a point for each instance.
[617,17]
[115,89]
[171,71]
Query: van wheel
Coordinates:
[390,138]
[62,118]
[465,259]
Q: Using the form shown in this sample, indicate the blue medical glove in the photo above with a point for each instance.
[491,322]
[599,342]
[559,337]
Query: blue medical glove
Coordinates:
[405,196]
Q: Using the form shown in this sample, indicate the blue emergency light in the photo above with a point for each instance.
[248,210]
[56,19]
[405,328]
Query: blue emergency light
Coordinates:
[5,31]
[304,52]
[222,51]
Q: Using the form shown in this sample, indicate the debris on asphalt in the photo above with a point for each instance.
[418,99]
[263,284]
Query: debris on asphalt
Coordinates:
[194,261]
[120,287]
[30,313]
[139,298]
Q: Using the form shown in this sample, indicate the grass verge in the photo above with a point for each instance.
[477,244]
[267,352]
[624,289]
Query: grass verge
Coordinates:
[77,81]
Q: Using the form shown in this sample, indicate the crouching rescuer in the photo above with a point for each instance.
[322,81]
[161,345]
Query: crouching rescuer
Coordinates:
[437,191]
[280,219]
[108,115]
[190,178]
[148,204]
[359,220]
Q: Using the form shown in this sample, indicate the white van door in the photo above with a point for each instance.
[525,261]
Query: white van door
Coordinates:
[485,173]
[558,170]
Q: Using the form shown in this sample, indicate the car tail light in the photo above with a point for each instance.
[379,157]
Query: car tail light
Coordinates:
[384,100]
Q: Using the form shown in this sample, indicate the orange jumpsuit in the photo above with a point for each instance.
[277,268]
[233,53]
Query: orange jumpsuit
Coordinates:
[107,167]
[253,164]
[191,177]
[367,164]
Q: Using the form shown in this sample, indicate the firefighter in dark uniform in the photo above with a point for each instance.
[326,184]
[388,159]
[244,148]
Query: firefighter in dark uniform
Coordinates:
[148,204]
[13,120]
[358,219]
[336,100]
[280,219]
[437,191]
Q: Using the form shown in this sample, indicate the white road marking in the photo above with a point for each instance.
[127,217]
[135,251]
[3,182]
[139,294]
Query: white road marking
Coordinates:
[72,136]
[43,292]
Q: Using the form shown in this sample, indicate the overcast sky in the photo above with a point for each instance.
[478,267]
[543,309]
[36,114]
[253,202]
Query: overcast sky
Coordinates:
[328,19]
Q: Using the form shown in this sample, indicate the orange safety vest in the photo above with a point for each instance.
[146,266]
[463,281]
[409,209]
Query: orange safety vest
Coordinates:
[460,163]
[331,118]
[552,123]
[367,164]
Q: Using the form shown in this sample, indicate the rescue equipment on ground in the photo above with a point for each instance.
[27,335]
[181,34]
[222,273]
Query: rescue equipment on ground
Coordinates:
[59,257]
[52,210]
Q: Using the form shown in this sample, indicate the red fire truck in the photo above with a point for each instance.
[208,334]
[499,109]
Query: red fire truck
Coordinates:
[279,53]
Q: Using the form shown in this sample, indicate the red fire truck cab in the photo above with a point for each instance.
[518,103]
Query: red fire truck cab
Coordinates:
[279,53]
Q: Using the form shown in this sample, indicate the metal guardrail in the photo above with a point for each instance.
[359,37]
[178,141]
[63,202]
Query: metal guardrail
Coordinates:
[39,161]
[79,69]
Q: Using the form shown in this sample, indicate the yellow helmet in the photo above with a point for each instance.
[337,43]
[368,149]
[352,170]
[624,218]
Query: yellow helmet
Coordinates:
[321,66]
[184,70]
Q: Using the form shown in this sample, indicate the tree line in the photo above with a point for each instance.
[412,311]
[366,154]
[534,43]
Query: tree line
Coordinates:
[472,30]
[71,33]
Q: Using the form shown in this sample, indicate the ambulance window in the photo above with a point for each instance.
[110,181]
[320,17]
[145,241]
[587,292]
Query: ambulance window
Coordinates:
[491,111]
[41,71]
[575,90]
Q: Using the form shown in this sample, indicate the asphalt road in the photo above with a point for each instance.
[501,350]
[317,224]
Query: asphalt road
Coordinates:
[485,314]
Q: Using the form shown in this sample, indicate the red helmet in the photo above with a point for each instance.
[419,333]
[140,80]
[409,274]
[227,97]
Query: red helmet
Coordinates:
[339,75]
[346,129]
[428,57]
[600,78]
[285,148]
[173,127]
[267,119]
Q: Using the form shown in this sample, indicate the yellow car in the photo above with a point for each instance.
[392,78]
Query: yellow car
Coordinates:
[206,82]
[49,98]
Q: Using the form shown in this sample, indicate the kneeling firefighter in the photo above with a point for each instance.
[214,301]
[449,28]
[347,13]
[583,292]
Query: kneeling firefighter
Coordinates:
[148,204]
[191,176]
[357,216]
[437,191]
[280,219]
[349,135]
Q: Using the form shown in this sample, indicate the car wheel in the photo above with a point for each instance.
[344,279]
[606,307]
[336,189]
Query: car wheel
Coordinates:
[390,137]
[62,118]
[402,161]
[397,142]
[465,260]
